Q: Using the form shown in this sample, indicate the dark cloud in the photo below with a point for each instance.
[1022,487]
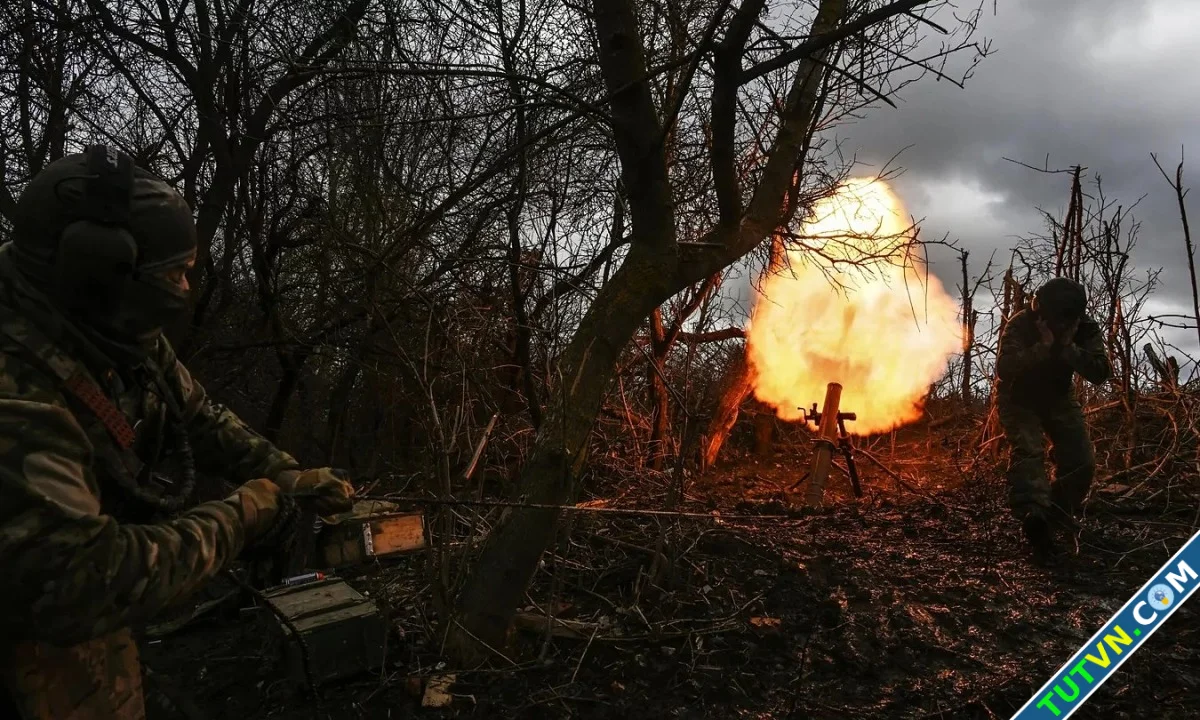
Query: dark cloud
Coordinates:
[1101,83]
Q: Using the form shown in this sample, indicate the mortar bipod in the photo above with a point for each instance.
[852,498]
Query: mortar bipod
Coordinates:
[848,451]
[843,446]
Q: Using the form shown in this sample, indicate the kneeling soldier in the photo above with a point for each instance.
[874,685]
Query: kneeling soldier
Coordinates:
[96,535]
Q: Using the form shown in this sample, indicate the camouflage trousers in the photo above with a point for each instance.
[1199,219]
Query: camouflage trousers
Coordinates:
[100,679]
[1026,426]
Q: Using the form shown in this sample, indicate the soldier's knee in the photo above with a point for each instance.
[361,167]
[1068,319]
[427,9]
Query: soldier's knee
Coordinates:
[1078,460]
[1028,453]
[1026,463]
[1025,443]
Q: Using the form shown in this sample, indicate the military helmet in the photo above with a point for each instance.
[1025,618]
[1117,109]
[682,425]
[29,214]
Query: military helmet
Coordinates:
[94,233]
[1060,298]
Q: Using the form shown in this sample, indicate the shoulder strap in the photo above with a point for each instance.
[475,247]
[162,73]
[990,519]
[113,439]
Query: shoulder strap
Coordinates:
[88,393]
[74,378]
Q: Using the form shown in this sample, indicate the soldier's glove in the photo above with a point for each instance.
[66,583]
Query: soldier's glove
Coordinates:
[259,502]
[325,490]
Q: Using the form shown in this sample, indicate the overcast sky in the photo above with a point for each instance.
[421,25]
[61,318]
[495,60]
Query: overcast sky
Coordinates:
[1101,83]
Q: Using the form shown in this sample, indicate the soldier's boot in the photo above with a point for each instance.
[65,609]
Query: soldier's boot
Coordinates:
[1040,538]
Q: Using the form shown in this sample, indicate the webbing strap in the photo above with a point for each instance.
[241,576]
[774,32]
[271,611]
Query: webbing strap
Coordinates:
[74,379]
[112,418]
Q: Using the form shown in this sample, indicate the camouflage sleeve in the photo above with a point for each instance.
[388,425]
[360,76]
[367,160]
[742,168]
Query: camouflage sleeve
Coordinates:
[72,574]
[1086,354]
[1017,355]
[221,443]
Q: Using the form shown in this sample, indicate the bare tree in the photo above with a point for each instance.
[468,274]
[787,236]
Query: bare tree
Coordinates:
[1180,195]
[215,56]
[658,265]
[51,87]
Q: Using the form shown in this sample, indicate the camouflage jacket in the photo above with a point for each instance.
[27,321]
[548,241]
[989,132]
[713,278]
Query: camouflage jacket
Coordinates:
[76,566]
[1031,372]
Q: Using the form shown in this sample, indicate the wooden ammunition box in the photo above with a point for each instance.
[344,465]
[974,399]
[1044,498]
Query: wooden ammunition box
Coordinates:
[361,535]
[343,631]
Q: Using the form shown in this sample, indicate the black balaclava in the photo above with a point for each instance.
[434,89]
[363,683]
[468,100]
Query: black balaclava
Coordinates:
[1060,301]
[92,231]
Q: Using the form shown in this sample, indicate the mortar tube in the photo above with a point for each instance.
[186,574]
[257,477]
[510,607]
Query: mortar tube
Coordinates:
[825,446]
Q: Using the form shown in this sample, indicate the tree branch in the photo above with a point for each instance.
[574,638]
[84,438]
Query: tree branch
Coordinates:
[636,127]
[726,71]
[731,333]
[820,41]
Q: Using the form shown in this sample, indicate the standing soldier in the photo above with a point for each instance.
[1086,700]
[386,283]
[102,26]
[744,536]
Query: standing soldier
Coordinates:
[1040,351]
[101,431]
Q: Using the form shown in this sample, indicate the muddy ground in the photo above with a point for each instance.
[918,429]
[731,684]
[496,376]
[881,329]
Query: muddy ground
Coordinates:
[916,601]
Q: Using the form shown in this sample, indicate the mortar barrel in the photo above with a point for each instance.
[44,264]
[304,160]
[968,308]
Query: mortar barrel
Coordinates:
[823,452]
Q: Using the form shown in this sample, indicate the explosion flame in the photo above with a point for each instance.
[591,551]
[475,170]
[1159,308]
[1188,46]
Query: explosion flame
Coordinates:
[852,303]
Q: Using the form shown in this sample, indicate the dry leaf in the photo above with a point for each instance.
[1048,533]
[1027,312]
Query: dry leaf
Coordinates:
[437,692]
[766,623]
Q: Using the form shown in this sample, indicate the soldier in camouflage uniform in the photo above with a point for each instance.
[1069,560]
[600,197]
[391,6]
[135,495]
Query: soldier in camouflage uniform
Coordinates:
[96,534]
[1040,351]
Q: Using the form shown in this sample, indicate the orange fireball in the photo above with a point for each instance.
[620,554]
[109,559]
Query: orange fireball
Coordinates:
[853,304]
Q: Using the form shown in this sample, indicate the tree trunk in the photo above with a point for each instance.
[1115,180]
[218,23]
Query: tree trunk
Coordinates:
[1124,349]
[660,399]
[292,363]
[339,405]
[968,320]
[736,387]
[737,384]
[1167,372]
[1013,303]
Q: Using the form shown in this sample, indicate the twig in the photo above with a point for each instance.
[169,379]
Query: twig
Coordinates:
[1046,169]
[887,470]
[714,515]
[584,654]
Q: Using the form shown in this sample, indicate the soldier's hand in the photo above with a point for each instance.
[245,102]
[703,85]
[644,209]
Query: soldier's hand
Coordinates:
[258,503]
[324,488]
[1047,335]
[1068,335]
